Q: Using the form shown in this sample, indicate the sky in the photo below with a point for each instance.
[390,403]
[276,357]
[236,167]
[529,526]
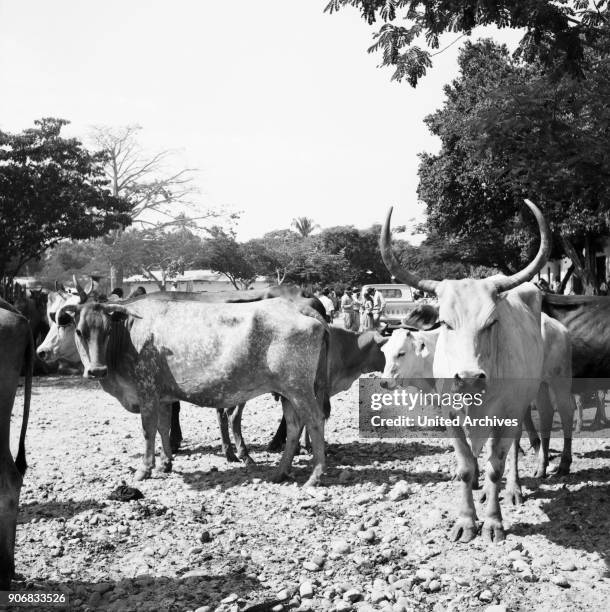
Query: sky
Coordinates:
[276,103]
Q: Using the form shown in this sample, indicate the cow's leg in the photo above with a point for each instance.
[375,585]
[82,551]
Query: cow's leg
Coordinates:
[279,439]
[175,429]
[513,485]
[225,440]
[600,419]
[293,433]
[9,501]
[149,411]
[235,419]
[313,414]
[578,399]
[545,410]
[465,528]
[500,444]
[565,406]
[163,427]
[532,434]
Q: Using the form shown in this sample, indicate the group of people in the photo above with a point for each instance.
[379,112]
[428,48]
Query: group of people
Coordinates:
[362,312]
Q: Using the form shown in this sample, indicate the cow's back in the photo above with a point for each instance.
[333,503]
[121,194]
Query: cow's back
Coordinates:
[214,354]
[587,319]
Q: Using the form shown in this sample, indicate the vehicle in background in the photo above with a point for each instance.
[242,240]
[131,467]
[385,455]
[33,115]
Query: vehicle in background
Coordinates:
[399,301]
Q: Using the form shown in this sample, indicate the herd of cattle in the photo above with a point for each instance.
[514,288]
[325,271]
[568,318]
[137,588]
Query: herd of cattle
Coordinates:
[156,350]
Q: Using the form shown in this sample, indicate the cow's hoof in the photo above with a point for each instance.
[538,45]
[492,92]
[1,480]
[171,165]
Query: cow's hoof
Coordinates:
[279,477]
[313,481]
[143,474]
[275,447]
[562,470]
[464,530]
[514,495]
[165,467]
[493,531]
[247,459]
[540,473]
[231,456]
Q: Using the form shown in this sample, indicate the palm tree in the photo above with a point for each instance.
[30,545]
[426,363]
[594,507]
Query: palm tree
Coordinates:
[304,226]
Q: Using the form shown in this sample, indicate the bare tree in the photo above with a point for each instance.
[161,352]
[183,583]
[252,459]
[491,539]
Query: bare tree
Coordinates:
[159,195]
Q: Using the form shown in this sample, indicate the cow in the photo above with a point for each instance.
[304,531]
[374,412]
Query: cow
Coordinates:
[149,351]
[488,334]
[17,353]
[349,355]
[410,355]
[62,347]
[587,319]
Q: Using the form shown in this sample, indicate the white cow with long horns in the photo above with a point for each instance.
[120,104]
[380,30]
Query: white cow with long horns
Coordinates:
[488,334]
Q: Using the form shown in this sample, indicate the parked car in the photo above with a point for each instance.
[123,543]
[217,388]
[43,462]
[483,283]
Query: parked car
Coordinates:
[399,301]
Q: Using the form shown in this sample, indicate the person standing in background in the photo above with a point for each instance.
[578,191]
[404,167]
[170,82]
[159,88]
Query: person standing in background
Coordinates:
[367,323]
[356,304]
[347,310]
[378,307]
[327,303]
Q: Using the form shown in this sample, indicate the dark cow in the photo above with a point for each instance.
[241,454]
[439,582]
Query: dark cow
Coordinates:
[151,351]
[587,319]
[17,352]
[350,355]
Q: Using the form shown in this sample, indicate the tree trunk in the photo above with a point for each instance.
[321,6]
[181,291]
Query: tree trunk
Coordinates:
[582,265]
[565,279]
[116,277]
[590,285]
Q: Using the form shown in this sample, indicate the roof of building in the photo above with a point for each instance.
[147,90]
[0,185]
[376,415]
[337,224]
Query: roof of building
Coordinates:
[189,275]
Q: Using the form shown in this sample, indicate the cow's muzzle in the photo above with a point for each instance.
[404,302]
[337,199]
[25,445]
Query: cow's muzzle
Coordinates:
[96,372]
[470,380]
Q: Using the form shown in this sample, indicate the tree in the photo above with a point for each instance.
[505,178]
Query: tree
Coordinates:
[159,197]
[222,253]
[508,132]
[51,189]
[556,33]
[304,226]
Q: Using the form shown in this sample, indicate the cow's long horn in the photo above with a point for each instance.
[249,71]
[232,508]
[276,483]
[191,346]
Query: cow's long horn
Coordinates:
[81,292]
[392,264]
[504,284]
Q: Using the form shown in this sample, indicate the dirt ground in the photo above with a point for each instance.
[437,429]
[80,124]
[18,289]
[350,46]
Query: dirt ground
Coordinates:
[219,536]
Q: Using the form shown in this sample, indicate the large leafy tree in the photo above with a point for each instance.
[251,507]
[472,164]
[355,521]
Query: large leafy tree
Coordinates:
[508,131]
[51,188]
[557,33]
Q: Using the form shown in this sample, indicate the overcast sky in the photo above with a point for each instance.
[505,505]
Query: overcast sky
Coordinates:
[275,102]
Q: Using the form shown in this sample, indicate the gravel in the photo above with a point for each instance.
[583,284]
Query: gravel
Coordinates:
[214,536]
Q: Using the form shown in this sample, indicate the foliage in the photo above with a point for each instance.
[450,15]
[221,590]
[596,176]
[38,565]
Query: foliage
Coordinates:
[304,226]
[509,132]
[556,33]
[51,188]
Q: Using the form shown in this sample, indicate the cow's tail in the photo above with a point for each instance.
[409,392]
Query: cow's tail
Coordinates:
[20,461]
[321,385]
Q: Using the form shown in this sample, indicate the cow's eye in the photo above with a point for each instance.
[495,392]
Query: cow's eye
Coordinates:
[52,316]
[446,325]
[401,354]
[79,333]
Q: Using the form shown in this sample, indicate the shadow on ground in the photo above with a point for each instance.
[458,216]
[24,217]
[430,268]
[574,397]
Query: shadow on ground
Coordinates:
[55,509]
[162,594]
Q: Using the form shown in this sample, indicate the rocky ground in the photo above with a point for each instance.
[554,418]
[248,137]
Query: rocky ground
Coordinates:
[218,536]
